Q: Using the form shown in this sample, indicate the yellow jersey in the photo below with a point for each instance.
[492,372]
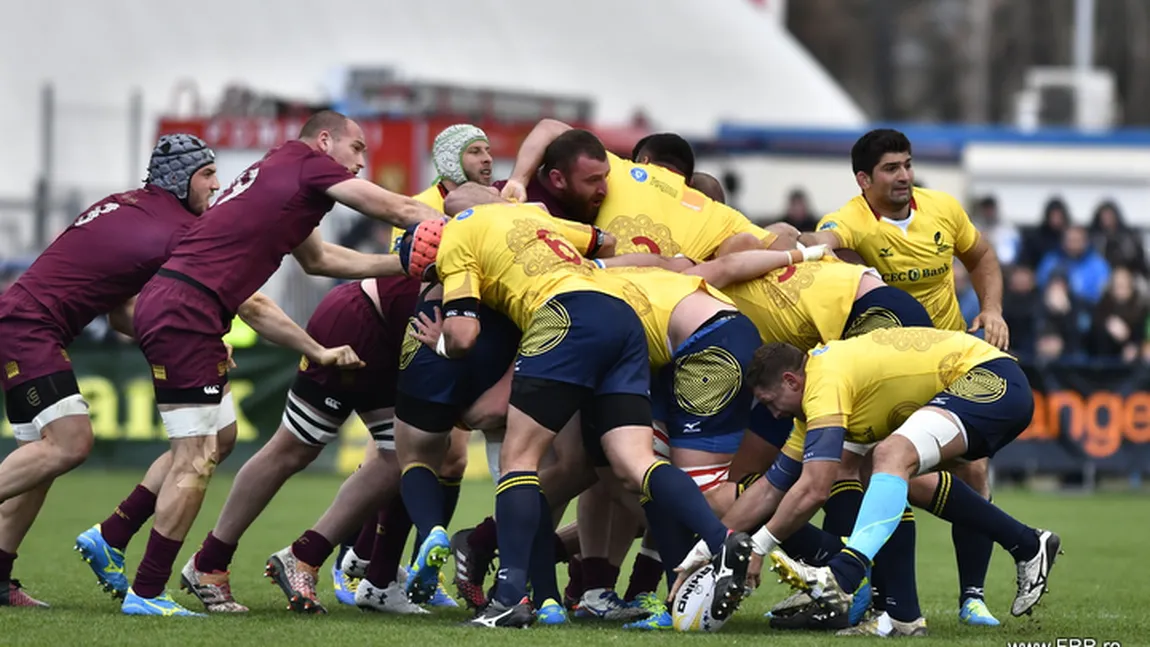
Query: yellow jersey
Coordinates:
[513,258]
[915,254]
[870,384]
[650,209]
[653,294]
[803,305]
[433,197]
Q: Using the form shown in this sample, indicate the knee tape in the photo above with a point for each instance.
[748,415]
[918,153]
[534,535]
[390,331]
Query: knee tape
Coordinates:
[929,431]
[203,466]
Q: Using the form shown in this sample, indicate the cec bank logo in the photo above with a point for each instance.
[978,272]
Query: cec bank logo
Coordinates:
[639,174]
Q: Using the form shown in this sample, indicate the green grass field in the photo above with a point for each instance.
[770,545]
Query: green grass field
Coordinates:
[1100,586]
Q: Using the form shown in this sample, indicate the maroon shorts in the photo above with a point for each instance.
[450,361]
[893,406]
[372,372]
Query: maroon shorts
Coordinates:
[31,344]
[180,328]
[347,317]
[322,397]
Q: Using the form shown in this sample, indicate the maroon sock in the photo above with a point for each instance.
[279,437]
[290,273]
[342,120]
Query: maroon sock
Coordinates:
[574,590]
[394,525]
[312,548]
[128,517]
[560,550]
[485,537]
[214,555]
[6,560]
[645,576]
[366,538]
[598,573]
[156,567]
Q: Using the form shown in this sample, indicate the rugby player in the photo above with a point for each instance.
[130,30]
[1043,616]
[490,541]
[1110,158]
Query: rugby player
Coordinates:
[460,153]
[576,171]
[55,299]
[271,209]
[370,316]
[482,271]
[642,206]
[911,236]
[921,399]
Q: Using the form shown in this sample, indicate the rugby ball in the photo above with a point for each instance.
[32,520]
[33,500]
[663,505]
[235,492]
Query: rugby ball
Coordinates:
[691,609]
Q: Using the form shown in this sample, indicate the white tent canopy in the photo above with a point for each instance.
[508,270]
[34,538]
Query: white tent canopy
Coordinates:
[687,64]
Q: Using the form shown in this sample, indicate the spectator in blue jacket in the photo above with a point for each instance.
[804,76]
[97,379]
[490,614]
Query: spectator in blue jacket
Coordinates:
[1086,271]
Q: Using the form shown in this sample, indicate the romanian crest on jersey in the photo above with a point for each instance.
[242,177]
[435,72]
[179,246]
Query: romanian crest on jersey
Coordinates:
[641,234]
[540,251]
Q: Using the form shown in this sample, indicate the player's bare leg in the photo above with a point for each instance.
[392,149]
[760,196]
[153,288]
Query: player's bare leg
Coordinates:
[206,574]
[258,481]
[65,444]
[16,517]
[195,446]
[296,568]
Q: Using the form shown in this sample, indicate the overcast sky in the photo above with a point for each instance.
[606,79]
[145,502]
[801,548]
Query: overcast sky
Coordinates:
[96,51]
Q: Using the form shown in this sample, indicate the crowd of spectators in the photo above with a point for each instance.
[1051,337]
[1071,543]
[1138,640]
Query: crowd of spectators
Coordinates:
[1073,290]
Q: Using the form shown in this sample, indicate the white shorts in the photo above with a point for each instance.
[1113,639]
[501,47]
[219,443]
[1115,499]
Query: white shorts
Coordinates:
[200,420]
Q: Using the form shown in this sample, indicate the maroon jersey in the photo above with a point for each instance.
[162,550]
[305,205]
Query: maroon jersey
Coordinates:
[397,298]
[103,258]
[268,211]
[536,193]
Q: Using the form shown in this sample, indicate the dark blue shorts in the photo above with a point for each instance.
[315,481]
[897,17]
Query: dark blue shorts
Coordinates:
[885,307]
[588,339]
[424,375]
[771,429]
[995,403]
[708,404]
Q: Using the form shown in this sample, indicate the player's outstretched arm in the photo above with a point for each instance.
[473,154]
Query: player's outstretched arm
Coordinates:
[744,266]
[754,506]
[828,238]
[377,202]
[273,324]
[321,258]
[121,318]
[676,264]
[531,156]
[986,276]
[799,505]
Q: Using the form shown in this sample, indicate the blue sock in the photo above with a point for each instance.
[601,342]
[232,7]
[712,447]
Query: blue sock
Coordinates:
[879,515]
[449,488]
[423,497]
[676,494]
[517,508]
[895,562]
[541,569]
[672,539]
[812,545]
[842,507]
[972,551]
[957,503]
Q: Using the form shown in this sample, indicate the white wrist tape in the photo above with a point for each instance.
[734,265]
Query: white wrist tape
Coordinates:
[441,346]
[763,542]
